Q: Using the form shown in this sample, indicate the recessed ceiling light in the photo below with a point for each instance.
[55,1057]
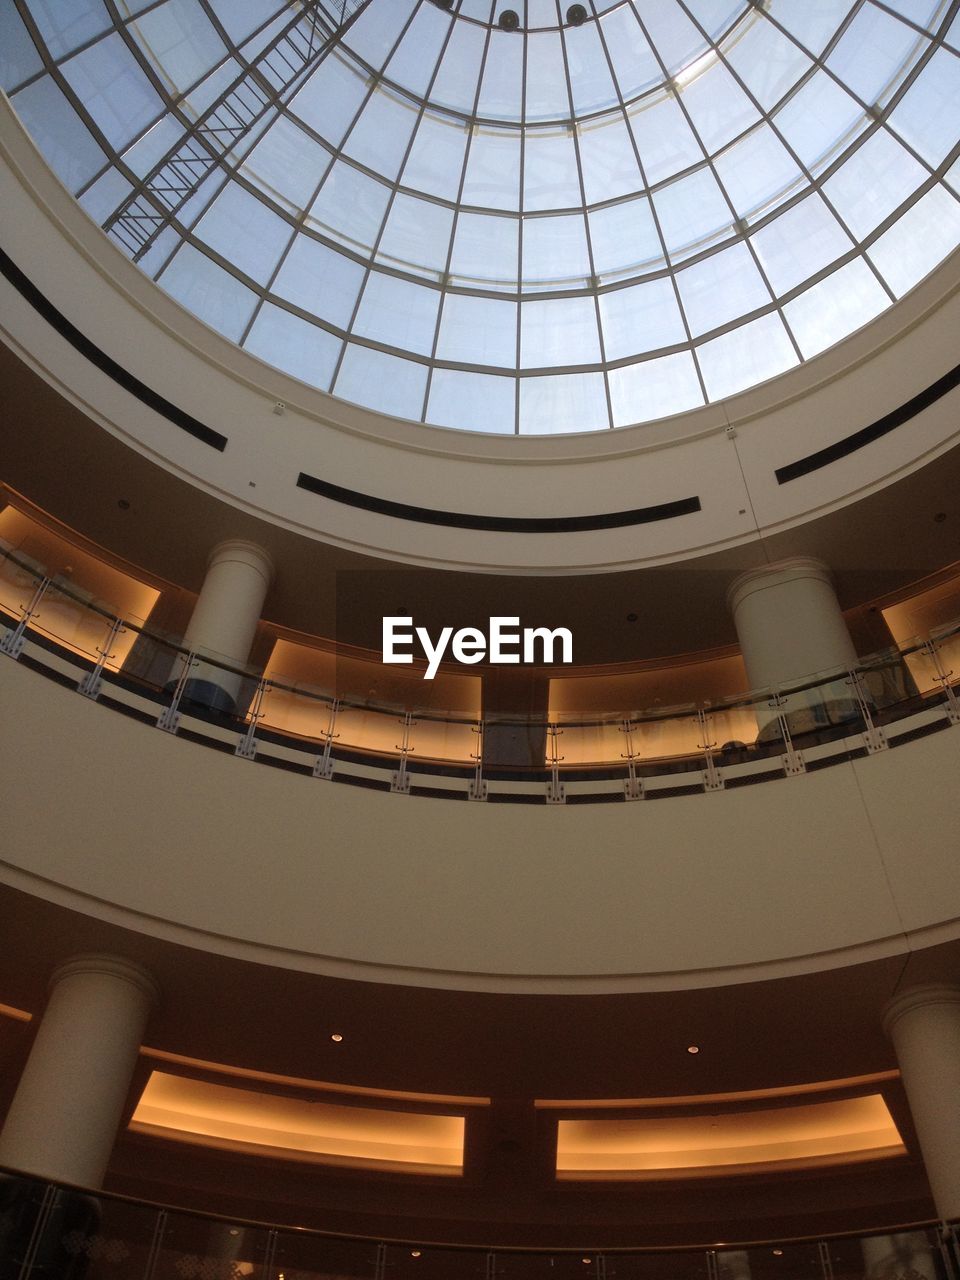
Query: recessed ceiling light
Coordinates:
[414,1253]
[631,617]
[693,1048]
[778,1253]
[336,1037]
[586,1260]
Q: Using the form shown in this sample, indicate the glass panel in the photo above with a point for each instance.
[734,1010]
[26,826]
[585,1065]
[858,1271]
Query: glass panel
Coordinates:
[330,99]
[398,313]
[382,382]
[180,41]
[492,179]
[835,307]
[114,89]
[876,178]
[640,318]
[768,63]
[693,214]
[801,242]
[55,127]
[485,251]
[721,288]
[820,120]
[472,401]
[435,162]
[664,139]
[552,329]
[478,330]
[350,206]
[654,389]
[416,236]
[875,53]
[287,165]
[919,241]
[379,138]
[758,173]
[551,178]
[18,54]
[555,254]
[64,27]
[624,240]
[747,355]
[304,350]
[243,230]
[571,402]
[319,280]
[211,293]
[925,117]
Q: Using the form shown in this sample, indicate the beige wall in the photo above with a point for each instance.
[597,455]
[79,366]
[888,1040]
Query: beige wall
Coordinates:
[93,284]
[121,820]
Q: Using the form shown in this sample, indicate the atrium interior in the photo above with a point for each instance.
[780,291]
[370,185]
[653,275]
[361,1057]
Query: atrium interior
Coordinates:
[636,318]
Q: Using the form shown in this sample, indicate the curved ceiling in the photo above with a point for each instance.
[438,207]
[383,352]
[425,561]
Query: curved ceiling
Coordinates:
[563,227]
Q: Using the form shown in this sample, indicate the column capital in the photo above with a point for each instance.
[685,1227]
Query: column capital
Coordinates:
[775,574]
[938,993]
[109,966]
[243,552]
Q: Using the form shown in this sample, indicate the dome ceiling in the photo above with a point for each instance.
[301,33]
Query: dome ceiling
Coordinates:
[581,223]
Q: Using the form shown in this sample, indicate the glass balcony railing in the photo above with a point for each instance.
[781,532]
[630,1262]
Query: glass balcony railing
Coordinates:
[54,1232]
[630,751]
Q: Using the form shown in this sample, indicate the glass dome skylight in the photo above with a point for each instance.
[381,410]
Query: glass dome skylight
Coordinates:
[556,228]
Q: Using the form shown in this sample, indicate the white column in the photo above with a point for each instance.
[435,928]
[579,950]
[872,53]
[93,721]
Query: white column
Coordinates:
[225,618]
[924,1025]
[790,627]
[63,1121]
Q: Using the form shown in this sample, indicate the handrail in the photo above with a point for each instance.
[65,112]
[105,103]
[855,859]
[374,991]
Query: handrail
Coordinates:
[840,702]
[942,1229]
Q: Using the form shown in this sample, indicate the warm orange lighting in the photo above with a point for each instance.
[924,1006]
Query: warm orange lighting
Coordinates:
[804,1136]
[337,1038]
[318,1086]
[90,581]
[18,1015]
[700,1099]
[216,1115]
[693,1048]
[299,667]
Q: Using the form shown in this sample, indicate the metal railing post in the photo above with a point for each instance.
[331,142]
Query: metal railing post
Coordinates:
[323,765]
[92,682]
[13,642]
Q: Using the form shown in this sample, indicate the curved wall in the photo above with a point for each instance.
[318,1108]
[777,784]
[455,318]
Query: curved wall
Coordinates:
[731,472]
[121,821]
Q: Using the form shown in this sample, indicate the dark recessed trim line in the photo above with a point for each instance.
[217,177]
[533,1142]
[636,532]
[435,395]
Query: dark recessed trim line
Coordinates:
[498,524]
[70,333]
[889,422]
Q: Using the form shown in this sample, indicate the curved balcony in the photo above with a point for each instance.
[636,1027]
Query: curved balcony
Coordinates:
[51,1230]
[436,741]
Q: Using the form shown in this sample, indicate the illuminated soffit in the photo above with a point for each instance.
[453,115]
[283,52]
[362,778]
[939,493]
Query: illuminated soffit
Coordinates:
[558,228]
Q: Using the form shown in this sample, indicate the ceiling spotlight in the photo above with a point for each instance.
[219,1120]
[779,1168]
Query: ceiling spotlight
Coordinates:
[576,15]
[509,20]
[336,1037]
[586,1261]
[414,1253]
[778,1253]
[693,1048]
